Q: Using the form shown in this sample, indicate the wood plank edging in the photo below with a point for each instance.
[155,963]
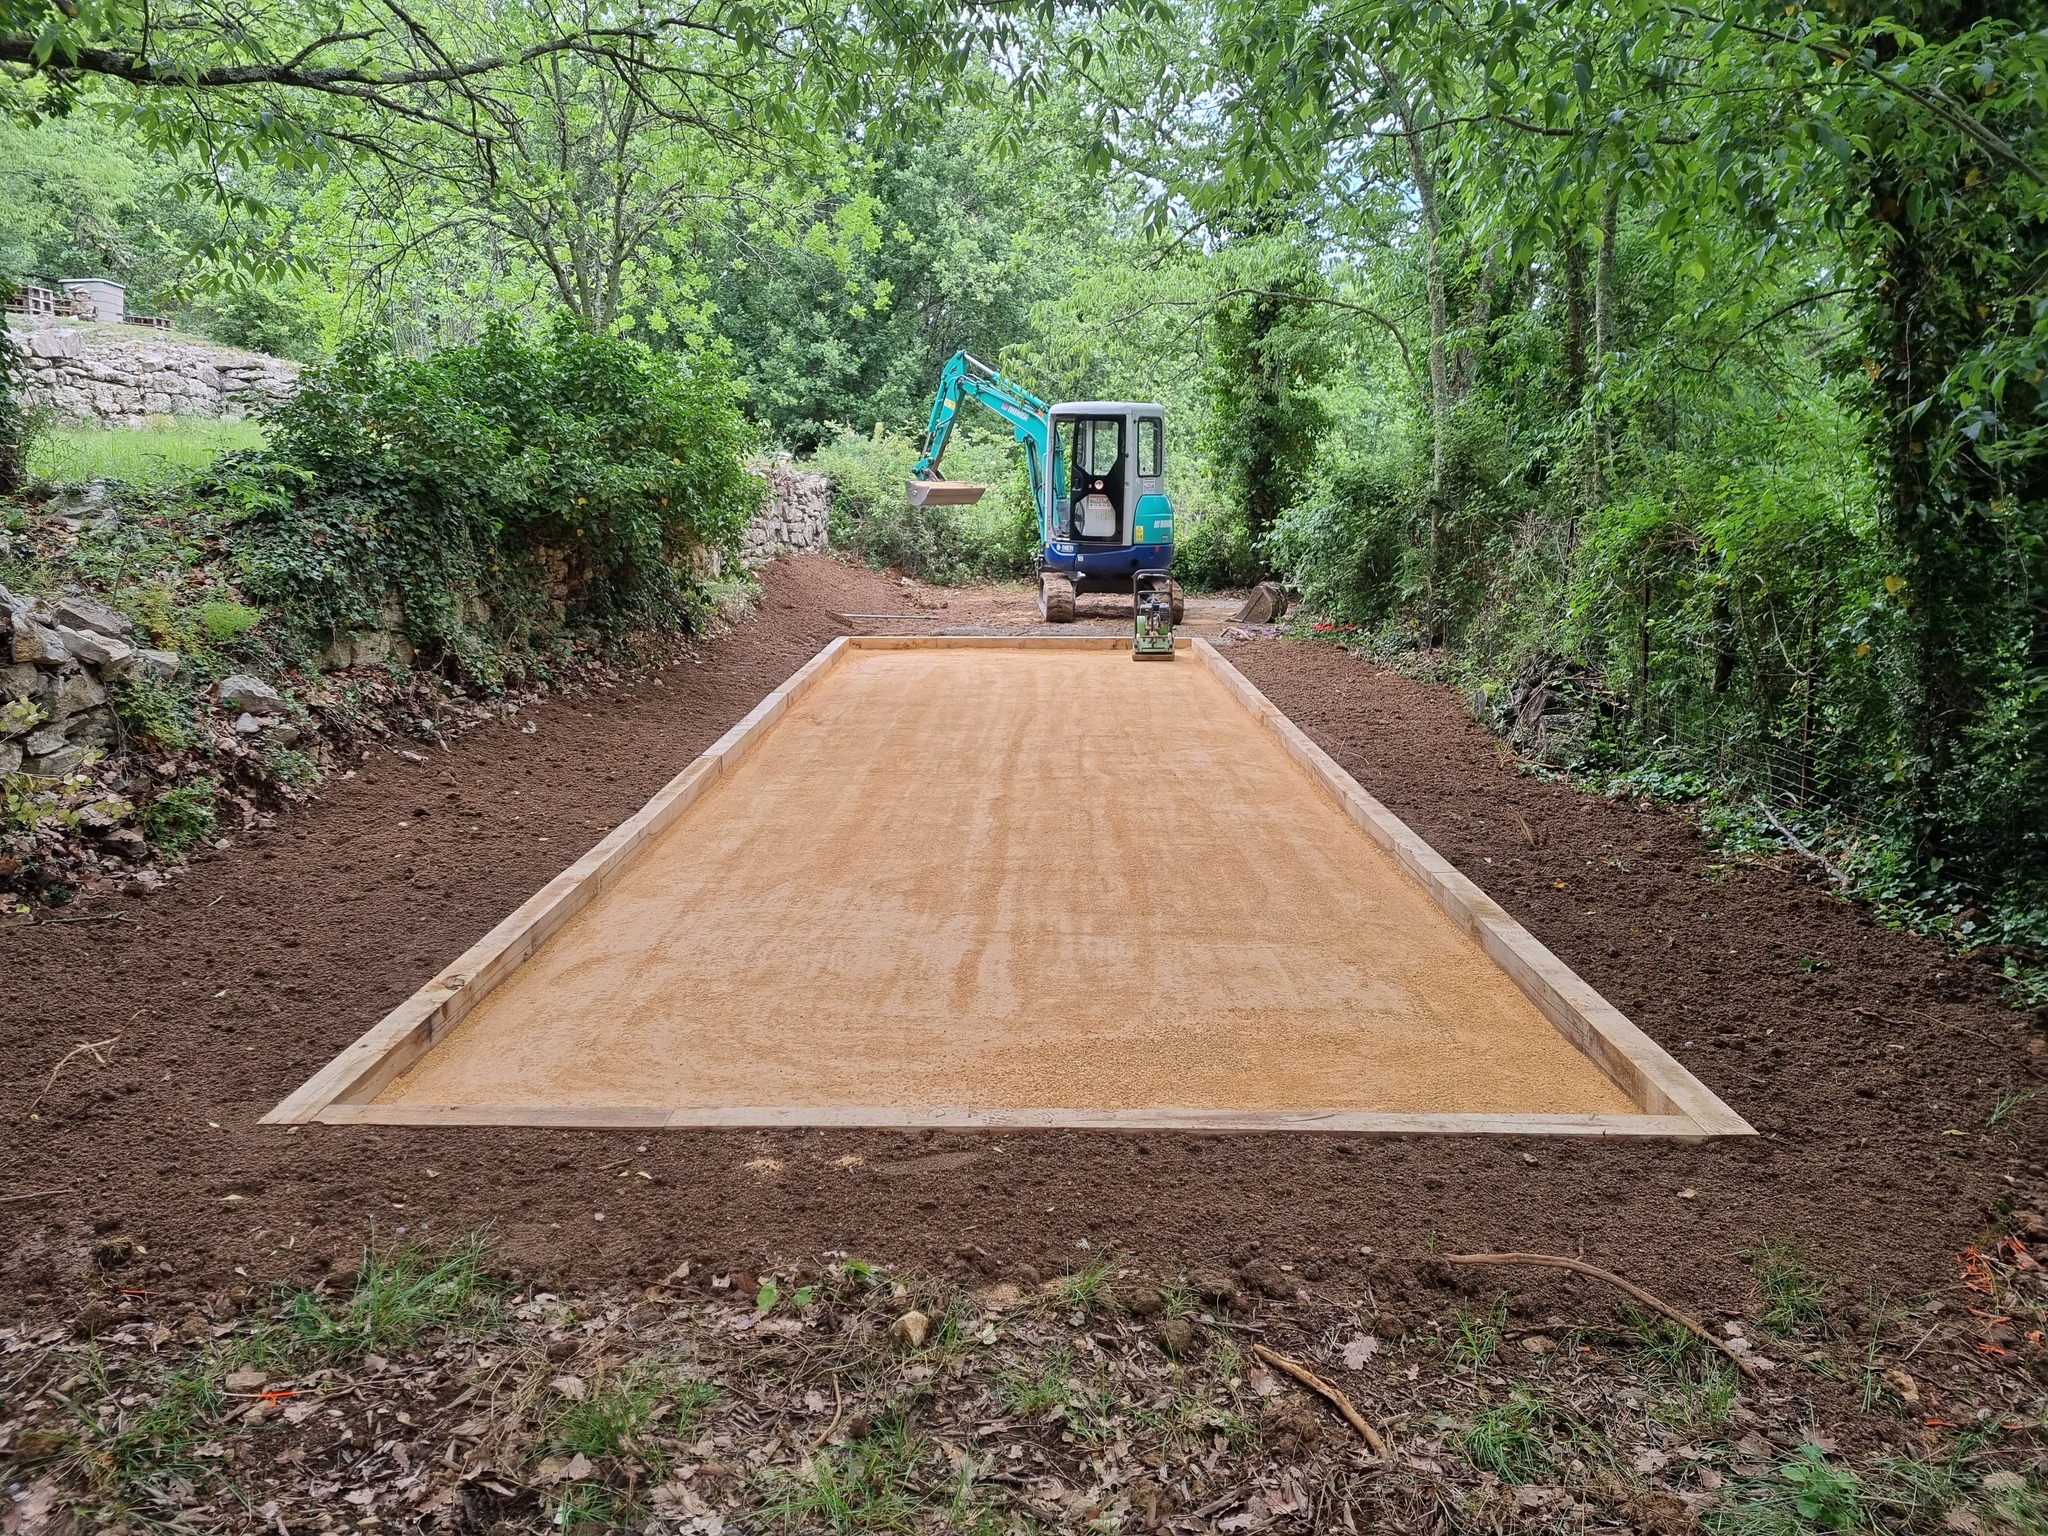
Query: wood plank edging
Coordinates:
[396,1041]
[887,1117]
[1638,1065]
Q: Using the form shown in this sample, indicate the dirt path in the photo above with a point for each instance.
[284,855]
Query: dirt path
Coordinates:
[1872,1061]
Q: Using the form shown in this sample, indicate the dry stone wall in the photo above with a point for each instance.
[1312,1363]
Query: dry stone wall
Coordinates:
[793,516]
[119,375]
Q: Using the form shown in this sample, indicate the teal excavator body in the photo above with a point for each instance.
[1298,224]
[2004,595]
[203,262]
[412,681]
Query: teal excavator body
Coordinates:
[1097,476]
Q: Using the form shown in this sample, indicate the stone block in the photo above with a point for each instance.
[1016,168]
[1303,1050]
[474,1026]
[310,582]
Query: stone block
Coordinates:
[19,681]
[84,613]
[70,691]
[241,691]
[95,649]
[54,765]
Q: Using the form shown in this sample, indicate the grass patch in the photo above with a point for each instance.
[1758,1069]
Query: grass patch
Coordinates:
[400,1293]
[1475,1337]
[1085,1290]
[179,818]
[1791,1297]
[866,1486]
[165,450]
[1034,1392]
[1507,1440]
[140,1458]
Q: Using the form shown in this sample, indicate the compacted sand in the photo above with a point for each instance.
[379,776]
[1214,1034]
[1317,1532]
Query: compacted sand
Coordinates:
[993,878]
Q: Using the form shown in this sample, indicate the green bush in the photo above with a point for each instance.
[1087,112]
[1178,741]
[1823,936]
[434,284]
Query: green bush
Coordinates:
[179,818]
[225,622]
[991,540]
[156,714]
[1214,549]
[440,479]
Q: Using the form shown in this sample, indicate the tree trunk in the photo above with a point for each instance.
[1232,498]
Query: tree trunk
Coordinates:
[1433,265]
[1603,335]
[1466,374]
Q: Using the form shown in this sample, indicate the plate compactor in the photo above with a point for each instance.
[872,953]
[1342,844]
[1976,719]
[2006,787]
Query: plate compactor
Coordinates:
[1098,472]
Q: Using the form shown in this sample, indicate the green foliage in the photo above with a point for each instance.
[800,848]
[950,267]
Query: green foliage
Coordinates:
[1826,1497]
[156,714]
[1793,1299]
[1476,1337]
[16,421]
[400,1292]
[223,622]
[178,819]
[145,1455]
[857,1489]
[1268,352]
[1508,1440]
[445,479]
[872,518]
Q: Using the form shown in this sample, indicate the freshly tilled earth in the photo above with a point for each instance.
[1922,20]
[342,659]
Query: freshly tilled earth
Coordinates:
[1873,1063]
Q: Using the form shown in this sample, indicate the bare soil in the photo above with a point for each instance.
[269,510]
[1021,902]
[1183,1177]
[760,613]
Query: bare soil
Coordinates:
[1877,1065]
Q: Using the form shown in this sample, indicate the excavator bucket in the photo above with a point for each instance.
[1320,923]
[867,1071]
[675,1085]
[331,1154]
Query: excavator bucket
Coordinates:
[943,493]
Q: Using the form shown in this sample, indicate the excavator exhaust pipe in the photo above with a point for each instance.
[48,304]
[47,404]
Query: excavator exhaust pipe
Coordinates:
[943,493]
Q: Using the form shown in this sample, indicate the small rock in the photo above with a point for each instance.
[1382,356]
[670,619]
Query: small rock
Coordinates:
[247,726]
[1178,1337]
[243,692]
[10,759]
[1539,1344]
[154,666]
[49,739]
[19,681]
[246,1380]
[283,735]
[911,1328]
[1002,1296]
[84,613]
[1145,1301]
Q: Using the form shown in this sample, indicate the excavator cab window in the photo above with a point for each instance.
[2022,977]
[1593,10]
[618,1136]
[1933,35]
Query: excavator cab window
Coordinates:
[1096,444]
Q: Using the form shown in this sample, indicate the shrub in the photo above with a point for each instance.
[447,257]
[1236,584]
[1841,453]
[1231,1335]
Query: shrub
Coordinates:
[995,538]
[441,480]
[179,818]
[224,622]
[156,714]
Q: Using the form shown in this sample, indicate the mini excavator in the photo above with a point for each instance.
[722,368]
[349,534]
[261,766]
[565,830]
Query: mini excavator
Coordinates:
[1098,477]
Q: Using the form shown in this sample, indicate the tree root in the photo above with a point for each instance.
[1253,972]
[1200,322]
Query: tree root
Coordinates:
[1330,1393]
[1594,1271]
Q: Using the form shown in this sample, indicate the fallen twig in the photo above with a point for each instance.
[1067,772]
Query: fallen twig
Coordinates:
[1594,1271]
[59,922]
[838,1408]
[1332,1394]
[33,1194]
[1841,879]
[93,1047]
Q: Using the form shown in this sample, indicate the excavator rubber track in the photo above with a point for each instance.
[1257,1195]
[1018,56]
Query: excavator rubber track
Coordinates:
[1055,597]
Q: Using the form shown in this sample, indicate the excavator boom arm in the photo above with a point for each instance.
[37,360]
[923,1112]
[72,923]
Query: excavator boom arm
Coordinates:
[968,378]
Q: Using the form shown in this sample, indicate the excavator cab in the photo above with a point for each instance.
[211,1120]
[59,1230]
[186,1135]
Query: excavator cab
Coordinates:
[1098,476]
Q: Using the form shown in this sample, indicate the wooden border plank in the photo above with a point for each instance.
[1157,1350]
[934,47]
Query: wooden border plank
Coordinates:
[884,1117]
[1640,1067]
